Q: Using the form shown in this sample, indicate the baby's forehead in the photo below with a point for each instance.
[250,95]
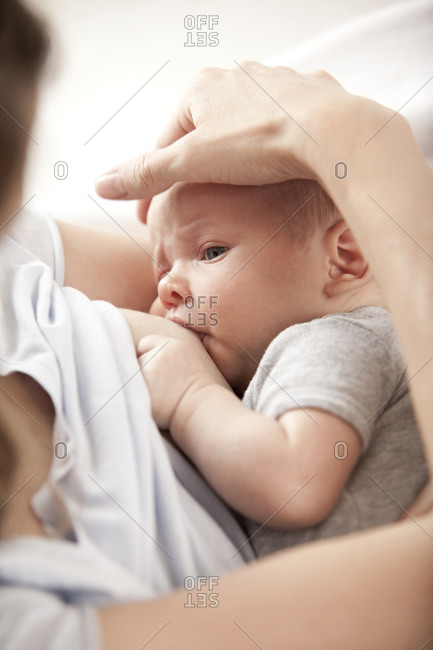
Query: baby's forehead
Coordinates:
[188,202]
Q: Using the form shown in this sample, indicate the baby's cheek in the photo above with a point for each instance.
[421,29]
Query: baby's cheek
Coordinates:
[157,309]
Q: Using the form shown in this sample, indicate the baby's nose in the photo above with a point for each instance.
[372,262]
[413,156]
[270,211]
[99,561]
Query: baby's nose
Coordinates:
[171,292]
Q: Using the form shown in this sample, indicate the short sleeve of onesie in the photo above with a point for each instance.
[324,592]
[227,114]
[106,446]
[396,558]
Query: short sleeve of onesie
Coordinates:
[349,364]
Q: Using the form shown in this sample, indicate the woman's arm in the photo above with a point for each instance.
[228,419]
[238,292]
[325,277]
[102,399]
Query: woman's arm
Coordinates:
[387,198]
[282,472]
[108,266]
[368,590]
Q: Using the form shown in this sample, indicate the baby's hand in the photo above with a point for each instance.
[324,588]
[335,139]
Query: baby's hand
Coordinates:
[174,371]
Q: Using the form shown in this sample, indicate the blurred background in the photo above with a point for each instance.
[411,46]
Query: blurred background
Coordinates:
[119,67]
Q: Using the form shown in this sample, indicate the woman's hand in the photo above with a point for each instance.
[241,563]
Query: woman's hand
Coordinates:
[175,371]
[251,125]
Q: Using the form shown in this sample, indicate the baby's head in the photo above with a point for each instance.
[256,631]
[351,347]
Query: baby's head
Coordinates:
[240,264]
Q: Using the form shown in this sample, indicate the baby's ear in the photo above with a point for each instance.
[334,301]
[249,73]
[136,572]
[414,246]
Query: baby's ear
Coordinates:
[345,259]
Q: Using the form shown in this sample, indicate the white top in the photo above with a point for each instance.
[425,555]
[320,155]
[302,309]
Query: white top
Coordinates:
[128,516]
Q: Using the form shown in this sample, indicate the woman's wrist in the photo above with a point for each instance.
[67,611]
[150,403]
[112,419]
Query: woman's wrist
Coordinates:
[345,129]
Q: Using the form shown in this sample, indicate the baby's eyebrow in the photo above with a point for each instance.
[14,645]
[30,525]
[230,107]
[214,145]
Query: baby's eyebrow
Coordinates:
[185,231]
[194,225]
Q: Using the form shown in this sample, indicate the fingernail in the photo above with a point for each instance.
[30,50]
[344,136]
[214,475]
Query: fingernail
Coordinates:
[110,186]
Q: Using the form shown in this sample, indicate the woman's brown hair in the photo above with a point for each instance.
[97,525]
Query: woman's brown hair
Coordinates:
[23,51]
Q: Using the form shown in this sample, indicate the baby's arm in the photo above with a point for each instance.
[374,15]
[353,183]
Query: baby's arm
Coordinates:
[288,472]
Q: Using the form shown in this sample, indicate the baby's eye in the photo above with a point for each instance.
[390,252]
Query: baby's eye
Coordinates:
[213,252]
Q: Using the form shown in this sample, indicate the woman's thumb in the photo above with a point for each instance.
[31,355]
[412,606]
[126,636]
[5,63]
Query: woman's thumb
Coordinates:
[139,178]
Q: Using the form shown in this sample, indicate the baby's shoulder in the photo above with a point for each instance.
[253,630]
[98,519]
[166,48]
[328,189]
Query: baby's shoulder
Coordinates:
[365,333]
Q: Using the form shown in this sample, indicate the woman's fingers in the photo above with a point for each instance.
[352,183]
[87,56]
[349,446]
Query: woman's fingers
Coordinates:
[177,127]
[187,159]
[251,125]
[139,178]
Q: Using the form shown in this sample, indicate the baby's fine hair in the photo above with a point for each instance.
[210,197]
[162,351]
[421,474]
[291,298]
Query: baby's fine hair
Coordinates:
[23,50]
[306,208]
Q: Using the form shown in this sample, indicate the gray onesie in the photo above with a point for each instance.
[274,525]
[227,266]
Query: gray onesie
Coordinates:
[351,365]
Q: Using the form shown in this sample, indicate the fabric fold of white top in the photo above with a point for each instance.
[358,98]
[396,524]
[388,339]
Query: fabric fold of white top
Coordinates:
[119,504]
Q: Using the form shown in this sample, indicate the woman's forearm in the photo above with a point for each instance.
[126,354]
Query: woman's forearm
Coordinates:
[328,594]
[387,198]
[109,266]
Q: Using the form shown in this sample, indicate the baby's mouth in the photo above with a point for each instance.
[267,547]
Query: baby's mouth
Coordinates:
[199,333]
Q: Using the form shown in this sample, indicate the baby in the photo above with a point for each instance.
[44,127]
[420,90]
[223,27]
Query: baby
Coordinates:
[273,282]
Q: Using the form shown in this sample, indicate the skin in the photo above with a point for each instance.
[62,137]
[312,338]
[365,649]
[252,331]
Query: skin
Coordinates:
[90,255]
[26,408]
